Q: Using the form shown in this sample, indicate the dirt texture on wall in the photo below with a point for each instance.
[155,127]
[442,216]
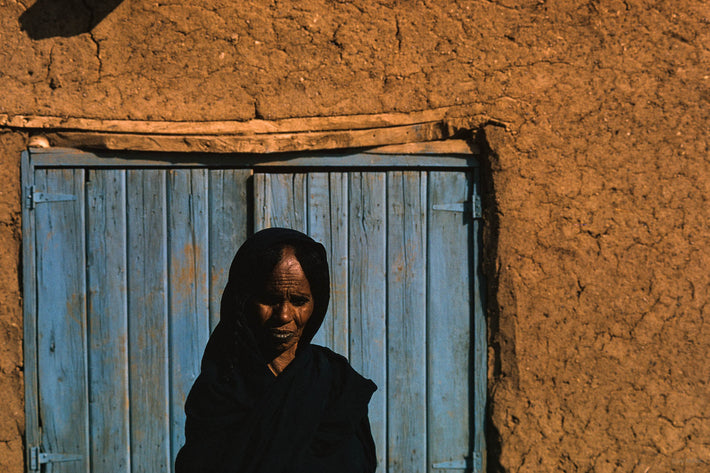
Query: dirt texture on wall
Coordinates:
[596,113]
[12,419]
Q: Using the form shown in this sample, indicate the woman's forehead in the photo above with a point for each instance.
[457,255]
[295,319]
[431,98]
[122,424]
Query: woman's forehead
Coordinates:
[288,271]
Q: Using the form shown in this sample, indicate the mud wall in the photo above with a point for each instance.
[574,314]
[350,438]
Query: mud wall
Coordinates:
[12,388]
[596,114]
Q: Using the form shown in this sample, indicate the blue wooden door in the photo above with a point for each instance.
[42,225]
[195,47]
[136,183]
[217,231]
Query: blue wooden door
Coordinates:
[125,262]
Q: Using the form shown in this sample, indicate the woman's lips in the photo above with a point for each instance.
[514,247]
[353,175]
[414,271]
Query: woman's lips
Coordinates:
[281,335]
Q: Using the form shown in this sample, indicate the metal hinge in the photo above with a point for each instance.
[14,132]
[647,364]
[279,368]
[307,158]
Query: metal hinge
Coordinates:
[38,458]
[474,209]
[34,197]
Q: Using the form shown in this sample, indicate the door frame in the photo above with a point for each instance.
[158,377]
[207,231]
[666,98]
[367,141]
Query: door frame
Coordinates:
[373,159]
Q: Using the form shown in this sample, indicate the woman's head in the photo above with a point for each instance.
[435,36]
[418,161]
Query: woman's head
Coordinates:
[282,304]
[278,287]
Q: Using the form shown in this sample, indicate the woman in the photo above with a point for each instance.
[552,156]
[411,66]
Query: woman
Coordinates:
[266,399]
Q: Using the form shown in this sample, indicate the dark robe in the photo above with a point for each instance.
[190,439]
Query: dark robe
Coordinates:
[241,417]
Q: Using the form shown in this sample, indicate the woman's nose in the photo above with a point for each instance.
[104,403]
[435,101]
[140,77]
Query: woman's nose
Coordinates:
[283,312]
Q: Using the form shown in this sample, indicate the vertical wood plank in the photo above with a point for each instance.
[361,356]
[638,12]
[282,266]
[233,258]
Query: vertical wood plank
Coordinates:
[29,307]
[449,323]
[328,224]
[368,293]
[228,216]
[147,321]
[61,318]
[480,338]
[339,262]
[108,321]
[406,321]
[189,323]
[280,201]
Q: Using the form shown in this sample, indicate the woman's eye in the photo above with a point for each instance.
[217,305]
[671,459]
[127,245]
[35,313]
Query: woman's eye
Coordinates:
[299,301]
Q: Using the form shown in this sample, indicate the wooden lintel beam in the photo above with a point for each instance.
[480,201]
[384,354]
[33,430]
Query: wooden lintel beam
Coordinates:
[223,127]
[256,143]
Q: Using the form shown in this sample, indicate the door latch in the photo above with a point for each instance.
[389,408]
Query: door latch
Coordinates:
[34,197]
[473,208]
[38,458]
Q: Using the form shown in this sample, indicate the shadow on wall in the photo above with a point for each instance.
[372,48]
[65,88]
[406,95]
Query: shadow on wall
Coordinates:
[50,18]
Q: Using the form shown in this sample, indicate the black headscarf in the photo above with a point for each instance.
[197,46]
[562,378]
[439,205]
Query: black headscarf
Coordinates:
[241,418]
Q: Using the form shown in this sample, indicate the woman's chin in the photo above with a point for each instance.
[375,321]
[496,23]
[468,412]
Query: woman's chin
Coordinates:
[280,342]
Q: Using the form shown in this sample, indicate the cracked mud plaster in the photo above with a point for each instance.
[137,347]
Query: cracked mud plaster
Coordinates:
[597,211]
[11,365]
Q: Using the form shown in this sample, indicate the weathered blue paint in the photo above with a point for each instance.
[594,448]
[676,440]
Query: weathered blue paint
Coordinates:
[228,209]
[61,319]
[148,349]
[280,201]
[367,293]
[188,273]
[406,321]
[29,307]
[479,340]
[450,318]
[327,222]
[107,280]
[129,275]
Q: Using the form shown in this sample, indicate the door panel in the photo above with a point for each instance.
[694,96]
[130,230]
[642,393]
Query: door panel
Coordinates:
[148,321]
[406,321]
[328,223]
[108,321]
[128,293]
[280,201]
[228,217]
[405,277]
[450,314]
[367,293]
[61,318]
[188,289]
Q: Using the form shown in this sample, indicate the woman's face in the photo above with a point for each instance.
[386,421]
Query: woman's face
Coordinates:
[284,304]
